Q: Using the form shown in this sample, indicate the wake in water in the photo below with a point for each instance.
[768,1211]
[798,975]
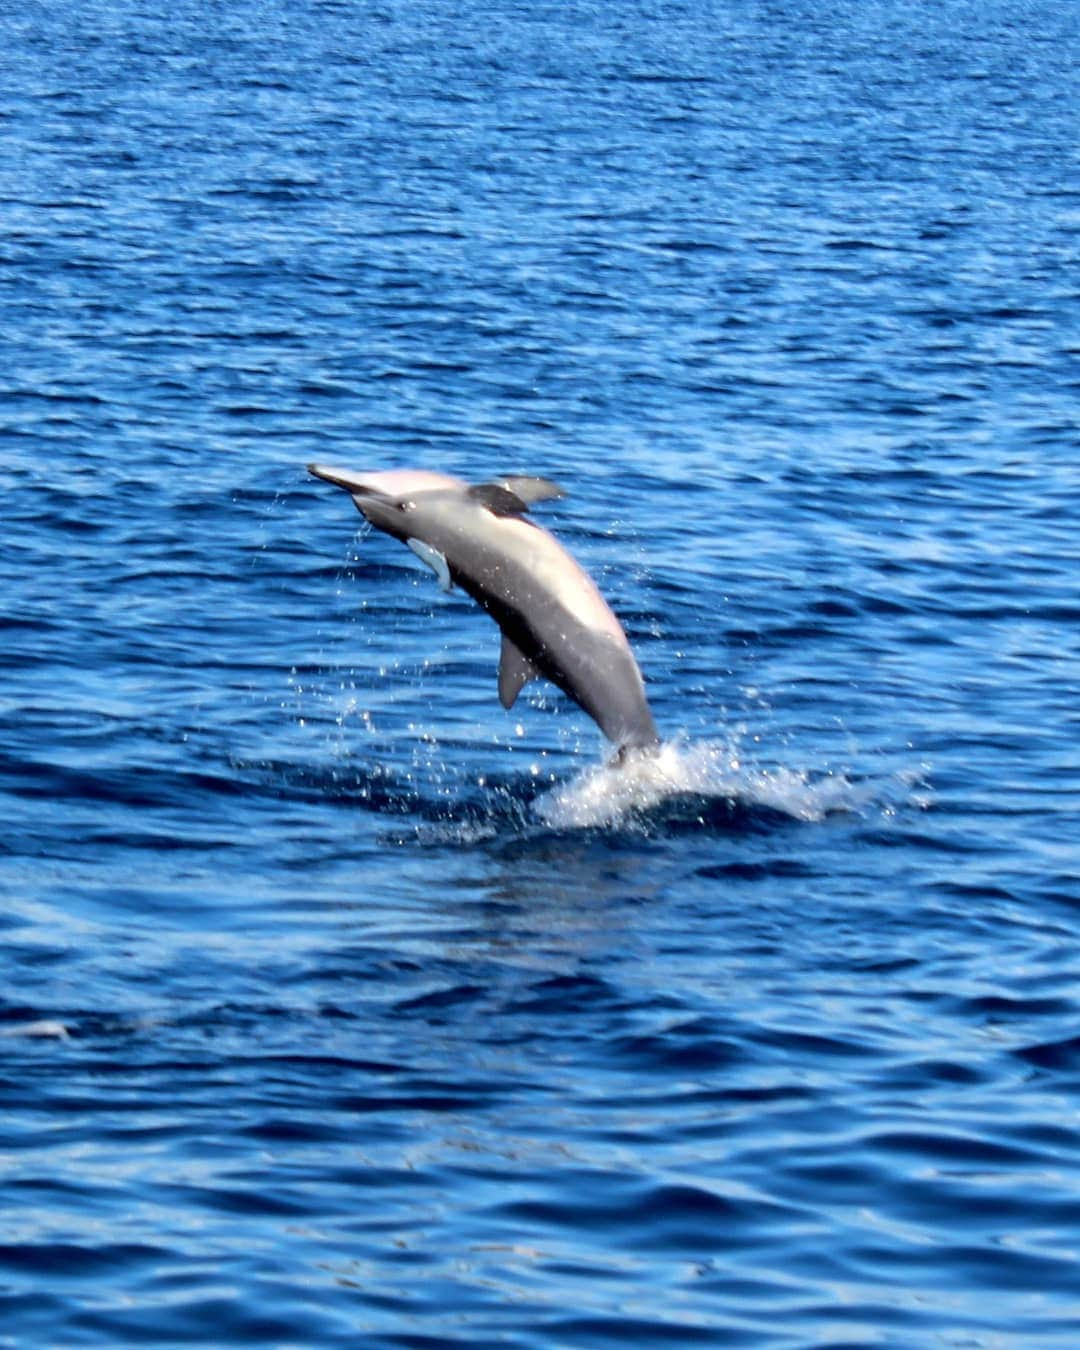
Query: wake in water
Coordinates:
[708,771]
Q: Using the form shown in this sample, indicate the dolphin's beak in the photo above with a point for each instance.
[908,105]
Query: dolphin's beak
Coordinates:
[342,478]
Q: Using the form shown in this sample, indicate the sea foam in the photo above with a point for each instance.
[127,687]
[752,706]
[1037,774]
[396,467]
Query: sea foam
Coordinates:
[607,794]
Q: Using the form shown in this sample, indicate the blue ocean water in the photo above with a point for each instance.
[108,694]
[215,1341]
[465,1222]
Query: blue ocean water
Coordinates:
[340,1006]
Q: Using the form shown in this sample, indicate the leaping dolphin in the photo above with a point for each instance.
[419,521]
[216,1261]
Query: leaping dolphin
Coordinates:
[554,621]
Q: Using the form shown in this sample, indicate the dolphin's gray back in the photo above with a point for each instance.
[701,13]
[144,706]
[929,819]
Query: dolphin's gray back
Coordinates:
[591,664]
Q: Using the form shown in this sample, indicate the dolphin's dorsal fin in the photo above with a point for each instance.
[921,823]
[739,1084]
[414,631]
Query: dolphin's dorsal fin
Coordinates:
[499,500]
[531,489]
[512,495]
[515,670]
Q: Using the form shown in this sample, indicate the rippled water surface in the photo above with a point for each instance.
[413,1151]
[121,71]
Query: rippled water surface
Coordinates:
[341,1006]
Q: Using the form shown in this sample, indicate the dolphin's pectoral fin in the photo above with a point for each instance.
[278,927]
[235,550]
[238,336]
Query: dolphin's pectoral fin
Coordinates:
[515,670]
[434,559]
[530,489]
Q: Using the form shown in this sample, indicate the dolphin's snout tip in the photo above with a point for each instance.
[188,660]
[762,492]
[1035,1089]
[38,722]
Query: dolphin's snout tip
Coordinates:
[339,477]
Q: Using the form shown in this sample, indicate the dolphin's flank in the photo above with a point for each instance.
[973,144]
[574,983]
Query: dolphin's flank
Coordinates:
[555,623]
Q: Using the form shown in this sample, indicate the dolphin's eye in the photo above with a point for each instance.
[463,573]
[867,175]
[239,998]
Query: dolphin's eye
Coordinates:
[406,506]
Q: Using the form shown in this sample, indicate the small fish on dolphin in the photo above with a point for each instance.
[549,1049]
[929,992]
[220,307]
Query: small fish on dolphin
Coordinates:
[555,623]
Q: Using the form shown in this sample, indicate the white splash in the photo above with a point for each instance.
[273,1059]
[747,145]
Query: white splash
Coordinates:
[605,793]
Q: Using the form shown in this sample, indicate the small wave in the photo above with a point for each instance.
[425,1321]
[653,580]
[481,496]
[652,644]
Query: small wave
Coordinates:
[44,1028]
[709,772]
